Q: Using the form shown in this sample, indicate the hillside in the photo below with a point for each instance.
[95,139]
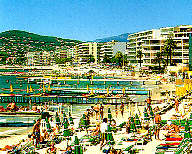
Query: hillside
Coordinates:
[15,44]
[120,38]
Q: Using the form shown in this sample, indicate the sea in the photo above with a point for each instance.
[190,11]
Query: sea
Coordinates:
[20,85]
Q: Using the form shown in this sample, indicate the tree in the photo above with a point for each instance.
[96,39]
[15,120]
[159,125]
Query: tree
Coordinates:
[119,58]
[168,48]
[158,59]
[106,59]
[62,60]
[125,59]
[139,55]
[91,59]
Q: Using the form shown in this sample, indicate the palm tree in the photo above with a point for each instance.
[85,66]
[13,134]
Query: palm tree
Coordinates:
[106,59]
[139,55]
[91,59]
[169,47]
[119,58]
[158,59]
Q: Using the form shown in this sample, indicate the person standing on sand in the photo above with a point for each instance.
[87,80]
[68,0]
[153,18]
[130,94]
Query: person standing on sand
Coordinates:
[103,129]
[157,125]
[116,110]
[122,108]
[148,103]
[36,132]
[176,105]
[96,109]
[101,111]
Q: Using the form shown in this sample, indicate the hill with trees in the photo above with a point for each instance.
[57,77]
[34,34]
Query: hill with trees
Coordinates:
[15,44]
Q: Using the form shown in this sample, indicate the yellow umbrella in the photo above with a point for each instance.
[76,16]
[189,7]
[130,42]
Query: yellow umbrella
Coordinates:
[87,87]
[11,88]
[107,90]
[43,88]
[123,90]
[31,90]
[49,88]
[92,92]
[27,89]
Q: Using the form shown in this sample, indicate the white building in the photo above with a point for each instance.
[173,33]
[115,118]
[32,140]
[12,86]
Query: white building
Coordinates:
[152,41]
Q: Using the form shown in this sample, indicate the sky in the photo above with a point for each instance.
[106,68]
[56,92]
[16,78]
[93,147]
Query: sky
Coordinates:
[87,20]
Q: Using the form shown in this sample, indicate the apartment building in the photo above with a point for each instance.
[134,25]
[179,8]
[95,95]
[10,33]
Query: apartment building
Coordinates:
[40,58]
[89,48]
[106,49]
[152,41]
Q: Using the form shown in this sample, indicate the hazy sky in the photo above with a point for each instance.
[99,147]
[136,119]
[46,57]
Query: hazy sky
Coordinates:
[91,19]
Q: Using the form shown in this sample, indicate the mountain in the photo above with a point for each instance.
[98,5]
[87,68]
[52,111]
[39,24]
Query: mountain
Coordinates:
[15,44]
[120,38]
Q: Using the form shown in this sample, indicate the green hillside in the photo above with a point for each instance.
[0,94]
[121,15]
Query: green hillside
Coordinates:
[14,45]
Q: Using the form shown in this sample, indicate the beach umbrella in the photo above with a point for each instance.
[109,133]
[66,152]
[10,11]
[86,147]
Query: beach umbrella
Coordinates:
[137,121]
[146,116]
[110,139]
[43,88]
[187,130]
[70,119]
[31,90]
[87,87]
[49,88]
[84,122]
[57,119]
[11,88]
[48,124]
[78,148]
[27,89]
[132,125]
[107,91]
[151,112]
[123,91]
[109,114]
[92,92]
[66,131]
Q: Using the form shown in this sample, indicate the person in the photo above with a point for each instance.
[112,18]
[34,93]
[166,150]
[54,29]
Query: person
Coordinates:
[116,110]
[36,132]
[96,109]
[128,126]
[157,125]
[122,108]
[176,105]
[103,129]
[175,128]
[148,103]
[68,150]
[12,107]
[96,131]
[101,110]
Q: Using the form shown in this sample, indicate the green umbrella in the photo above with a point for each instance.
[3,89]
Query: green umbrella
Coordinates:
[66,131]
[151,112]
[146,116]
[78,148]
[70,119]
[57,119]
[48,124]
[132,125]
[84,121]
[187,130]
[137,121]
[109,114]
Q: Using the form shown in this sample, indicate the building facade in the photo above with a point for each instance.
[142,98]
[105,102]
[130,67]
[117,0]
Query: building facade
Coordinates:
[152,41]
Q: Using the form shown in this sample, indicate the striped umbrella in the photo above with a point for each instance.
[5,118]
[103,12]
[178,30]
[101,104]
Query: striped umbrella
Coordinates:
[146,116]
[78,148]
[137,121]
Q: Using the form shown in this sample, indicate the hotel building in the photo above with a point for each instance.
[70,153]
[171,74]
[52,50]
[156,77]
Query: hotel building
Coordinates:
[152,41]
